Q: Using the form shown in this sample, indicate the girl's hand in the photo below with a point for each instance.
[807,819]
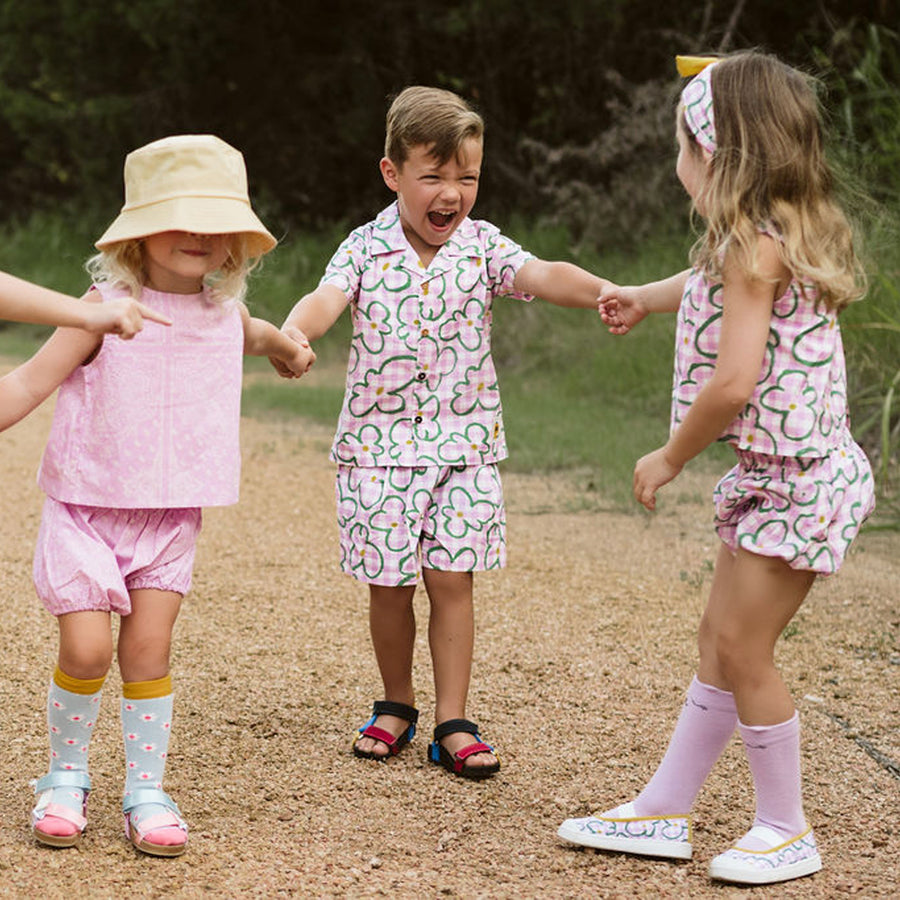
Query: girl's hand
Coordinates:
[621,308]
[301,361]
[122,317]
[651,472]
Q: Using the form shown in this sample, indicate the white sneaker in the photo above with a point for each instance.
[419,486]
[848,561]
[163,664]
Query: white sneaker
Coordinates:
[783,860]
[621,830]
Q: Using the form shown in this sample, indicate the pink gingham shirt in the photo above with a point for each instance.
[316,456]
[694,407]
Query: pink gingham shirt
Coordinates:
[799,406]
[421,387]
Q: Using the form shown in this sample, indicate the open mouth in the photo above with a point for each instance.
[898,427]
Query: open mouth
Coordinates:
[441,219]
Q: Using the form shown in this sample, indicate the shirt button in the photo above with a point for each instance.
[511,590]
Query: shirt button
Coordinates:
[421,376]
[424,332]
[417,420]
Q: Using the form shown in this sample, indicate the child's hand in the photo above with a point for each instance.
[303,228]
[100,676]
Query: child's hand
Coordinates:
[621,308]
[122,317]
[651,472]
[302,359]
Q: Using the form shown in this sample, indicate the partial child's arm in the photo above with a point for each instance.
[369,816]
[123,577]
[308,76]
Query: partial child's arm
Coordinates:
[312,316]
[29,384]
[746,316]
[21,301]
[560,283]
[262,338]
[622,307]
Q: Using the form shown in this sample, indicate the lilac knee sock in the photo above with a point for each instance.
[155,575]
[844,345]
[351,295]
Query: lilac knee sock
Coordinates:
[706,723]
[773,752]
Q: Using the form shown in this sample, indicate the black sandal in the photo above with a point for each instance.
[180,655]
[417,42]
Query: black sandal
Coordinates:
[456,763]
[394,744]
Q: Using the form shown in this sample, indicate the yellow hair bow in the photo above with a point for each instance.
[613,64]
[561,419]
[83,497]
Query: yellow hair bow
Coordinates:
[692,65]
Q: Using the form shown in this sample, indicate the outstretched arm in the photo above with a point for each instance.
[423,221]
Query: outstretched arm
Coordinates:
[622,307]
[560,283]
[746,316]
[312,316]
[262,338]
[29,384]
[21,301]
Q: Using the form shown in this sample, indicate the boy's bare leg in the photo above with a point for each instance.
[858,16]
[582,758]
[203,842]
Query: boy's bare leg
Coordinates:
[451,635]
[392,624]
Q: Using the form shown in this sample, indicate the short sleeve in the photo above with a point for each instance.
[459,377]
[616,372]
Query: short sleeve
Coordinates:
[503,259]
[345,269]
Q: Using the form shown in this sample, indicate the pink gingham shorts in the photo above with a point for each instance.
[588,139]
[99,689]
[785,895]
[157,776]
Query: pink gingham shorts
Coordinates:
[396,520]
[806,512]
[90,557]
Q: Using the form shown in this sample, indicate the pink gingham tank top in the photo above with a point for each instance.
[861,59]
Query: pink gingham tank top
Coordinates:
[153,423]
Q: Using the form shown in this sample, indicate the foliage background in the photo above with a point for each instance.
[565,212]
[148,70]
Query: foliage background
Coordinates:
[578,96]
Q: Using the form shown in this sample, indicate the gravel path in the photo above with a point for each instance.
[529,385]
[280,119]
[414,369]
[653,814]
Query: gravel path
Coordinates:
[585,645]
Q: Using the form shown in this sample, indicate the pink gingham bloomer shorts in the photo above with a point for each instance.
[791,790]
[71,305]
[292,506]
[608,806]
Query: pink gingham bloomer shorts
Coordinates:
[90,557]
[804,512]
[396,520]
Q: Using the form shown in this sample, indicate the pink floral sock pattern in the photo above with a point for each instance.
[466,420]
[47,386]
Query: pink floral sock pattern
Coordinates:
[773,752]
[707,721]
[146,726]
[70,722]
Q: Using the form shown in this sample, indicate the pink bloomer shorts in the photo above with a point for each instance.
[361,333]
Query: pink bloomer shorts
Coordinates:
[394,520]
[806,512]
[90,557]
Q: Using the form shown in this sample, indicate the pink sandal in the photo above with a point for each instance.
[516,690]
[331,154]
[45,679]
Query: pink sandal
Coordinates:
[141,831]
[46,808]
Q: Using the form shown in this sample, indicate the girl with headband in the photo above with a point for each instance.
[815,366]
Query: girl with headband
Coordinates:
[759,364]
[144,435]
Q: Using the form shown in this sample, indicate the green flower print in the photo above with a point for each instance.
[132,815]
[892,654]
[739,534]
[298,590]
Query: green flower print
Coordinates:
[463,513]
[458,445]
[372,326]
[465,326]
[362,444]
[367,557]
[473,391]
[759,438]
[810,336]
[388,520]
[794,401]
[382,388]
[467,276]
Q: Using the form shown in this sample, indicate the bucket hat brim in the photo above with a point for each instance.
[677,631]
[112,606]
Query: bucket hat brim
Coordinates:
[199,215]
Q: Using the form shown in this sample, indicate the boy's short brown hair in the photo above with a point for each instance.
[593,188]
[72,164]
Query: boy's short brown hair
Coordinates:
[429,116]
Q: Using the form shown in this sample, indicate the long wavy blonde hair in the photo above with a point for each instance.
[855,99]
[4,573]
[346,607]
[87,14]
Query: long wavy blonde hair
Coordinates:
[122,265]
[769,168]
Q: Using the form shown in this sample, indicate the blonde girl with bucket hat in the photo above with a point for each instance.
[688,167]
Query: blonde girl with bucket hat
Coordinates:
[144,435]
[759,364]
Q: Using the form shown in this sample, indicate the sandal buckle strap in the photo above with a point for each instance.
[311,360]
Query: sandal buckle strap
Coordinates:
[59,778]
[148,795]
[393,708]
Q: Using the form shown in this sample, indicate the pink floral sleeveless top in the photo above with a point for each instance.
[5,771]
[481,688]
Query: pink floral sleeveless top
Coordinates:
[153,422]
[799,405]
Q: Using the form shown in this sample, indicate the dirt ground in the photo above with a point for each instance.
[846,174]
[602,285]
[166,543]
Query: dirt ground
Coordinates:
[585,646]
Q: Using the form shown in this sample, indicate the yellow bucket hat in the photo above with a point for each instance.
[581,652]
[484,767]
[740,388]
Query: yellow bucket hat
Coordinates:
[187,182]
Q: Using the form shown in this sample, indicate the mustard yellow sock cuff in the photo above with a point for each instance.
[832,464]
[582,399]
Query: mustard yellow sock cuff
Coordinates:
[147,690]
[84,686]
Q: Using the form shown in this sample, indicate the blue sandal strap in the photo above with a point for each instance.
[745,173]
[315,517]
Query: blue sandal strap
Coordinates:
[71,778]
[149,795]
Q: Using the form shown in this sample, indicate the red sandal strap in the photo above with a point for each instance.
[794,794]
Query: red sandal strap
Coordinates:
[379,734]
[472,749]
